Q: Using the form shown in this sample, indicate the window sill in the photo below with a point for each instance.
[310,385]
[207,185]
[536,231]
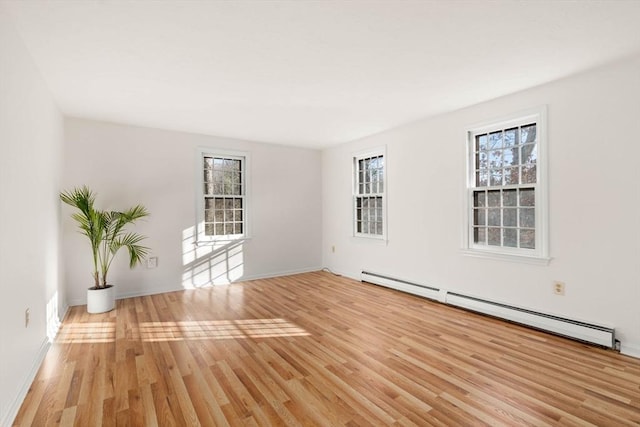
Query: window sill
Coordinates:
[370,240]
[213,242]
[498,256]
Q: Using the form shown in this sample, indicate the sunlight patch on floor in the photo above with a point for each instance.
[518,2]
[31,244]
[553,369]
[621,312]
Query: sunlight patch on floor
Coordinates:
[105,332]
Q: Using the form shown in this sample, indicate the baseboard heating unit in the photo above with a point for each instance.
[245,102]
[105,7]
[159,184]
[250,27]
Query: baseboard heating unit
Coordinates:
[587,332]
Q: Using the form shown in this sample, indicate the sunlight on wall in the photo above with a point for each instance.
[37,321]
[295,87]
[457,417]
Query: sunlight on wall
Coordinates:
[215,263]
[53,320]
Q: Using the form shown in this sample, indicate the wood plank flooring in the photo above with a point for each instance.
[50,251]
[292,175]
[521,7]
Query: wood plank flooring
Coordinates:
[316,349]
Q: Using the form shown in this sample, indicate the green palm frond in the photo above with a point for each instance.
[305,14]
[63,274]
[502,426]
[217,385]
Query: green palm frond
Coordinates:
[106,231]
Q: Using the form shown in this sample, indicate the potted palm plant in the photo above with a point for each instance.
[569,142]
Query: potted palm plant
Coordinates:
[106,231]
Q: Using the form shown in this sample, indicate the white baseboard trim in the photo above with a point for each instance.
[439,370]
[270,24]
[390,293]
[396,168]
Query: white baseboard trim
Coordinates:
[632,350]
[14,407]
[280,274]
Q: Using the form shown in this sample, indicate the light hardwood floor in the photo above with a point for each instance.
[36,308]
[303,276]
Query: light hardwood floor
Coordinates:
[316,349]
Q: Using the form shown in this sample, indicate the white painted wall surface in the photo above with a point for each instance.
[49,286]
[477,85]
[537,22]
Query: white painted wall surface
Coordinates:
[594,193]
[126,165]
[30,146]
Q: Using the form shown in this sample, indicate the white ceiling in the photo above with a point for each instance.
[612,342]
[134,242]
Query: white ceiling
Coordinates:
[309,73]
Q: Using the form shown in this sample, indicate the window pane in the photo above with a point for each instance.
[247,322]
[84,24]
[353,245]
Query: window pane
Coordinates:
[482,160]
[481,142]
[496,177]
[510,217]
[511,176]
[217,176]
[237,203]
[479,217]
[482,179]
[493,198]
[494,217]
[529,154]
[495,140]
[208,229]
[479,199]
[510,237]
[527,217]
[494,237]
[219,216]
[495,159]
[527,197]
[528,133]
[508,157]
[379,228]
[527,239]
[480,235]
[511,137]
[219,202]
[529,174]
[219,229]
[227,188]
[510,198]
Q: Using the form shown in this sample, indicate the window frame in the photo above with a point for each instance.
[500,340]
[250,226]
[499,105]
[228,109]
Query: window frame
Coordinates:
[200,233]
[355,158]
[540,254]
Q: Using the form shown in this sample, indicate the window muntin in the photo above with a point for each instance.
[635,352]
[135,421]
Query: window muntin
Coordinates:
[369,203]
[222,207]
[507,205]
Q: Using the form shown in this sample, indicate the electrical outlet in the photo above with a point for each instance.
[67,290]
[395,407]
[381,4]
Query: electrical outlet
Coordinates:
[558,288]
[152,262]
[27,315]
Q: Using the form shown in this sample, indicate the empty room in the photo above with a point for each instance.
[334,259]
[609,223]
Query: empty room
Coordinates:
[331,213]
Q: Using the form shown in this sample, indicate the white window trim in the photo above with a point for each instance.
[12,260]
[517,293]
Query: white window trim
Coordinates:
[370,152]
[200,238]
[539,255]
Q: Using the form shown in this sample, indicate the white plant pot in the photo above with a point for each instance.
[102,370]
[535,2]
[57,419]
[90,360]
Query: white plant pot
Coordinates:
[101,300]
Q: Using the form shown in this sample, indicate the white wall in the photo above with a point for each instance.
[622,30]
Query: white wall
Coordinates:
[30,145]
[126,165]
[594,204]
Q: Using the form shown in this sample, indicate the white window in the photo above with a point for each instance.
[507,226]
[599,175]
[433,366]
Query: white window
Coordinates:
[506,191]
[369,204]
[222,195]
